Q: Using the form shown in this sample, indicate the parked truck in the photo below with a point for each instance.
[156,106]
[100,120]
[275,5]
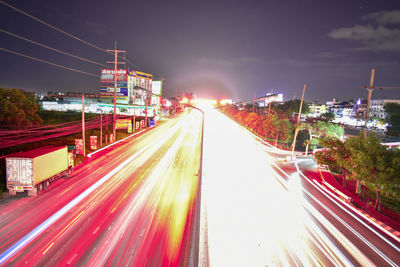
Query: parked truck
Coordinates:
[34,170]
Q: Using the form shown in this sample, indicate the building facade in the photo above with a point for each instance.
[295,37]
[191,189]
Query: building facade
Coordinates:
[377,107]
[132,87]
[317,109]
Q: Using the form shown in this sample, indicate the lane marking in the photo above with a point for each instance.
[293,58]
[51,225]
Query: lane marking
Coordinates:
[90,154]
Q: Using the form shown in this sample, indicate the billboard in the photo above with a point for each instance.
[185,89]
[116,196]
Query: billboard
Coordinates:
[156,89]
[107,83]
[122,123]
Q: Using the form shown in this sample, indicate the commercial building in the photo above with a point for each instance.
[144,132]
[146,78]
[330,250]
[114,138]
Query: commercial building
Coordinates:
[133,87]
[317,109]
[377,107]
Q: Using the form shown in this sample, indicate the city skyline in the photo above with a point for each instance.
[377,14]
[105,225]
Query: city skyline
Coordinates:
[212,49]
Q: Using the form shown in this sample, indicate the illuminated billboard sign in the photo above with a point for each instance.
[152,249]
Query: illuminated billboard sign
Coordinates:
[156,89]
[107,83]
[144,75]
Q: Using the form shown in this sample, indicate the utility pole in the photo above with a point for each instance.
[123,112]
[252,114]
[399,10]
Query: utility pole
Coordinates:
[101,128]
[83,125]
[115,51]
[370,88]
[134,114]
[296,131]
[106,128]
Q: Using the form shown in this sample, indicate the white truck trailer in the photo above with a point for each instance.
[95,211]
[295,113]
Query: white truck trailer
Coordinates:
[34,170]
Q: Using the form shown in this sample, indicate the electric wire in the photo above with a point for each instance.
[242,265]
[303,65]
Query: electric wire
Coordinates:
[48,62]
[51,26]
[51,48]
[58,29]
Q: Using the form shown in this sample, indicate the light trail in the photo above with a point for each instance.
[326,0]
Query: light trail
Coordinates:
[351,214]
[336,233]
[297,225]
[43,226]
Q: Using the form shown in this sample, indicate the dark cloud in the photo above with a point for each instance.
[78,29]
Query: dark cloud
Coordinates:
[384,17]
[375,38]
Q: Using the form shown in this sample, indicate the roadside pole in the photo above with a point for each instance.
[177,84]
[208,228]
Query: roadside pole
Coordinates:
[83,125]
[370,89]
[115,51]
[101,127]
[134,115]
[296,131]
[106,128]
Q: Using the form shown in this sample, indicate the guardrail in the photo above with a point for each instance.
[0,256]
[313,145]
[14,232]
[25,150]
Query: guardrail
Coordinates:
[341,194]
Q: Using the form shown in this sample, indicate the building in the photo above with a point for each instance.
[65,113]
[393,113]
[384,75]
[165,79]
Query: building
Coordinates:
[133,87]
[342,109]
[377,107]
[317,109]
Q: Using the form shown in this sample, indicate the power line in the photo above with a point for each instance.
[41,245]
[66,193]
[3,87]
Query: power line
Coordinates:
[58,29]
[51,48]
[51,26]
[48,62]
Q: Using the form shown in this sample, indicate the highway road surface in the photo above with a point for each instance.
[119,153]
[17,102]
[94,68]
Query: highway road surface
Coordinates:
[132,204]
[148,201]
[259,210]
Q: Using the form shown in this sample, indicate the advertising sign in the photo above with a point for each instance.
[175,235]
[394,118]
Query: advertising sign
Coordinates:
[156,88]
[79,146]
[130,128]
[137,126]
[93,142]
[107,83]
[122,123]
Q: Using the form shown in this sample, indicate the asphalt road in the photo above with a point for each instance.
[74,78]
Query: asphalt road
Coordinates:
[137,204]
[260,210]
[132,204]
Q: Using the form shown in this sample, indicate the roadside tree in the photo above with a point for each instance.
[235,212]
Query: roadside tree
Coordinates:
[393,118]
[18,109]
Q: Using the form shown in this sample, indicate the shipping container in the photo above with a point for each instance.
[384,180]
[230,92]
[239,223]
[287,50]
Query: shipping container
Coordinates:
[34,170]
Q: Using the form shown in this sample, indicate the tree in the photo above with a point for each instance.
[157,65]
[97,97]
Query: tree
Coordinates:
[393,118]
[251,120]
[18,109]
[335,155]
[241,116]
[373,163]
[327,117]
[318,129]
[292,107]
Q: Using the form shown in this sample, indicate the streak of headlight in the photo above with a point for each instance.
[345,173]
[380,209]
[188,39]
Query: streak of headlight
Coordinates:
[350,247]
[39,229]
[157,176]
[356,211]
[363,223]
[264,202]
[377,251]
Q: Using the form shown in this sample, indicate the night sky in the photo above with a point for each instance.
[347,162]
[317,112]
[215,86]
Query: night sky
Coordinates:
[224,48]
